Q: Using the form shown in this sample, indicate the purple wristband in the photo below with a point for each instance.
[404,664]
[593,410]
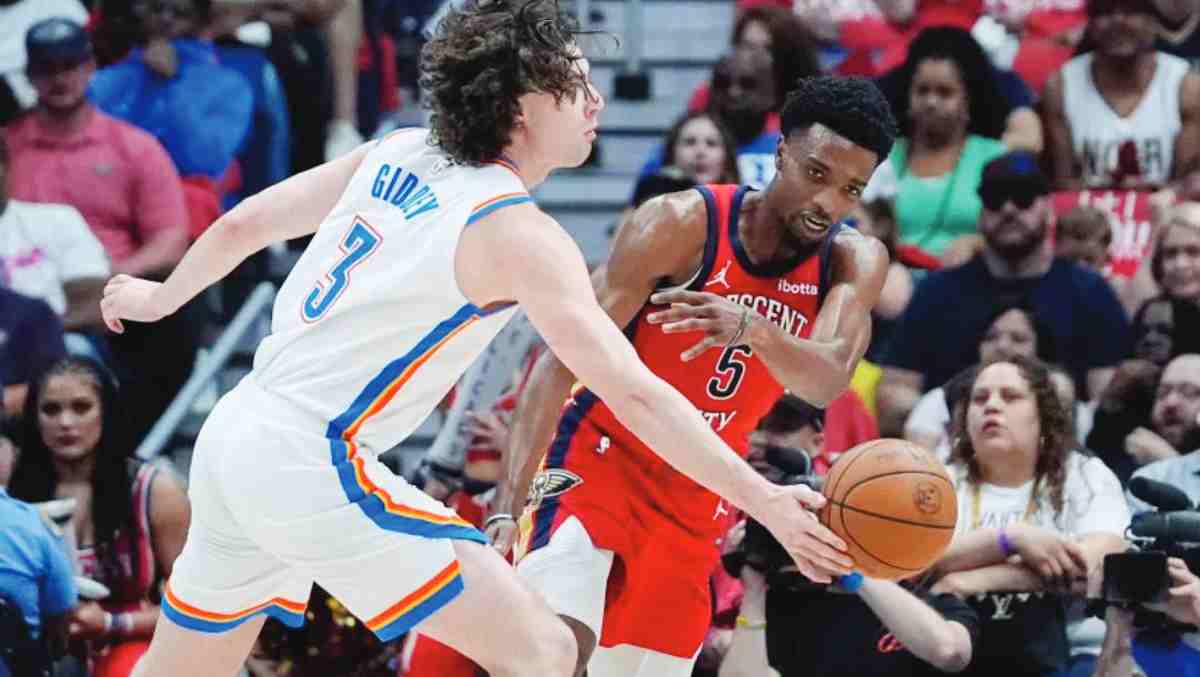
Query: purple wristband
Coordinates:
[1006,546]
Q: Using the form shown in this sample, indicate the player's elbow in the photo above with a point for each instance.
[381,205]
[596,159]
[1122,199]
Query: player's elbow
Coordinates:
[951,655]
[242,225]
[836,379]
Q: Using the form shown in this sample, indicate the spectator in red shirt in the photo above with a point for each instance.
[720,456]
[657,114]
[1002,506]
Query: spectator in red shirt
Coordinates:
[118,176]
[122,181]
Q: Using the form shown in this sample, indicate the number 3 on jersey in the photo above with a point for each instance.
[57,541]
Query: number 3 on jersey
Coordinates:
[361,241]
[730,371]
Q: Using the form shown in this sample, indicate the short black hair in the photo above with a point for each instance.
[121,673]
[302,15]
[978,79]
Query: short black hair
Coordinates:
[852,107]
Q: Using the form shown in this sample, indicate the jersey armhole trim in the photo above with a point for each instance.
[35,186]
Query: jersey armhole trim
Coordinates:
[499,202]
[826,263]
[711,240]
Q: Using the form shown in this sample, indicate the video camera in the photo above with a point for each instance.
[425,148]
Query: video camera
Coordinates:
[1138,577]
[759,550]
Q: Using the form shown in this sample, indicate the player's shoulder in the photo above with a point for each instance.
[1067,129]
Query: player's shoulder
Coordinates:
[862,254]
[669,217]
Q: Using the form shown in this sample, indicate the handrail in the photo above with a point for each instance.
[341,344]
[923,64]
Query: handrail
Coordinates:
[164,429]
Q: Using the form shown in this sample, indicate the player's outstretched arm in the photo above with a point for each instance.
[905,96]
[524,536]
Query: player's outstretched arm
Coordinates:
[818,368]
[287,210]
[661,237]
[524,255]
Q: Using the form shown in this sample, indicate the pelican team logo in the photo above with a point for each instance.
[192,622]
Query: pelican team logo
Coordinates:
[927,497]
[551,483]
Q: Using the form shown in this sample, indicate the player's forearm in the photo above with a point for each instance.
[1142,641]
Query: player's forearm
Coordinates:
[221,248]
[815,371]
[918,626]
[671,425]
[534,421]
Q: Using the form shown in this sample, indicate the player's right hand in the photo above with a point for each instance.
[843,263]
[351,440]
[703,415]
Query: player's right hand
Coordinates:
[818,553]
[130,298]
[502,534]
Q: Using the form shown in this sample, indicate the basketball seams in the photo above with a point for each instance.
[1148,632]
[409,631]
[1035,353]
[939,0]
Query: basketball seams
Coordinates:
[832,489]
[889,518]
[868,553]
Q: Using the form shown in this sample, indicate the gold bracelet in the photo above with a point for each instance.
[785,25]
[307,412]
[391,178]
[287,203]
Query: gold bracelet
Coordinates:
[743,622]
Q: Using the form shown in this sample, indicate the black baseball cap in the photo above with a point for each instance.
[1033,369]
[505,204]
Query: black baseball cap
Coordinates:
[1014,176]
[56,42]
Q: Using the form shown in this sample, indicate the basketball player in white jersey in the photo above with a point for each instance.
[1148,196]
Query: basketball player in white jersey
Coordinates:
[422,244]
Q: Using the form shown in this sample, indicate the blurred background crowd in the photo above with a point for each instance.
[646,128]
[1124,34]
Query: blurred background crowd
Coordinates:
[1042,212]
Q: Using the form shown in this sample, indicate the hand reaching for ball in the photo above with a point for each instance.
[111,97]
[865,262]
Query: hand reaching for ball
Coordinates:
[818,553]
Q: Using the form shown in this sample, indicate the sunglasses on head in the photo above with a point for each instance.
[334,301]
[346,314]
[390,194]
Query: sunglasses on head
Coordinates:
[994,200]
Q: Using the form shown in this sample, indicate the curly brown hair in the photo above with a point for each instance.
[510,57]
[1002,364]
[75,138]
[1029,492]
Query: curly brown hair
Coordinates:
[1058,438]
[483,58]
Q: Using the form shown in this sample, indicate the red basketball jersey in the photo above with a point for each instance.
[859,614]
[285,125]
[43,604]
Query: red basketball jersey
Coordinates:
[599,469]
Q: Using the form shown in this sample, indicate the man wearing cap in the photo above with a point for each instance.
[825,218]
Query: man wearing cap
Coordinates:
[122,181]
[16,17]
[939,333]
[66,151]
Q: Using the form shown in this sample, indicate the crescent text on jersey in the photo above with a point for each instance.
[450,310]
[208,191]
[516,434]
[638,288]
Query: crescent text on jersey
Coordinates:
[788,318]
[404,190]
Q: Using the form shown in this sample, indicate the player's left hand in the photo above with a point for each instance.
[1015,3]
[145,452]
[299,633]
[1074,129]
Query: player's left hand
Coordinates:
[130,298]
[721,320]
[818,552]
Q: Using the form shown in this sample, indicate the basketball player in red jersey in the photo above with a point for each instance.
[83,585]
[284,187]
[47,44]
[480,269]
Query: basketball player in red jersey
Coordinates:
[731,295]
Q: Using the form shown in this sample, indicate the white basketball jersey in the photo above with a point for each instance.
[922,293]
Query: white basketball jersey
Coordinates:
[370,330]
[1098,133]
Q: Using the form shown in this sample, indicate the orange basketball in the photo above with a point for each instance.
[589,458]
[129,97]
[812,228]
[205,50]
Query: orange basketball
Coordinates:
[893,504]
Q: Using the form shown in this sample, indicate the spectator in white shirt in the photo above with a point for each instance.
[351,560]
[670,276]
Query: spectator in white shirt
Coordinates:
[48,252]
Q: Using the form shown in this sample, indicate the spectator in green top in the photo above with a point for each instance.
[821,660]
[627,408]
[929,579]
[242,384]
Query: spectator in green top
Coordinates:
[954,117]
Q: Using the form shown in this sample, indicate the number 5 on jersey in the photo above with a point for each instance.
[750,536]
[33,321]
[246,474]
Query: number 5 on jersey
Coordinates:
[360,242]
[730,371]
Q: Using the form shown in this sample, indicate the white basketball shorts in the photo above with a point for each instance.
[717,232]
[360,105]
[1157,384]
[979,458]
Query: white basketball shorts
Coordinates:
[277,505]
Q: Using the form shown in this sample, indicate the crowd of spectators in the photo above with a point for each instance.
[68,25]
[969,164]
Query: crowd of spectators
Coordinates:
[1041,210]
